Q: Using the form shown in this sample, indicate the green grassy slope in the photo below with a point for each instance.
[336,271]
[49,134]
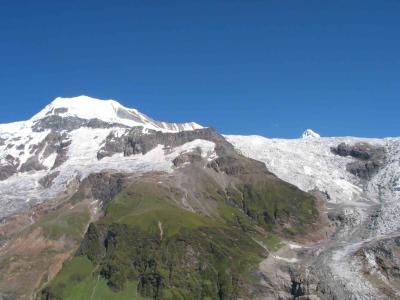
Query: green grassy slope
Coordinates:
[79,281]
[149,247]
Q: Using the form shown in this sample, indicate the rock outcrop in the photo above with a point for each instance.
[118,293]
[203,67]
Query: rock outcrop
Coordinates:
[369,158]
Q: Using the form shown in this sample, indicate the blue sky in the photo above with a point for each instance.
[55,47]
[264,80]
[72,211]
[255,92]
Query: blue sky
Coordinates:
[244,67]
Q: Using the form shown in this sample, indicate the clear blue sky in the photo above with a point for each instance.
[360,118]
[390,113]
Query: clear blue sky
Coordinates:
[244,67]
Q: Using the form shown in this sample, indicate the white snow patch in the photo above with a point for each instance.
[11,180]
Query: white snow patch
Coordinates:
[49,161]
[289,260]
[294,246]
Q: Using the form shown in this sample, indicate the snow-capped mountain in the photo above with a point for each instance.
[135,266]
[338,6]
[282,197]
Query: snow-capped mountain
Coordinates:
[40,157]
[65,173]
[109,111]
[49,158]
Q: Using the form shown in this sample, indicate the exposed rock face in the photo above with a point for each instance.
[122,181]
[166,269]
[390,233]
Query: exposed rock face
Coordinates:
[362,151]
[7,171]
[55,142]
[369,158]
[60,146]
[9,167]
[364,170]
[298,288]
[381,264]
[114,144]
[32,164]
[135,142]
[104,186]
[47,180]
[186,158]
[58,123]
[344,149]
[59,110]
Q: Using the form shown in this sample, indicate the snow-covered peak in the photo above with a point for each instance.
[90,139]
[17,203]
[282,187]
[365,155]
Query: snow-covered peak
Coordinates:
[108,111]
[308,133]
[82,106]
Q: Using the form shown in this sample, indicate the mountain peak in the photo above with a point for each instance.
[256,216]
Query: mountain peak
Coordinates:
[110,111]
[309,133]
[81,106]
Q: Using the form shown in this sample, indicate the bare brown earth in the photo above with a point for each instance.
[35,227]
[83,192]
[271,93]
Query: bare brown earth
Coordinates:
[31,259]
[29,255]
[384,272]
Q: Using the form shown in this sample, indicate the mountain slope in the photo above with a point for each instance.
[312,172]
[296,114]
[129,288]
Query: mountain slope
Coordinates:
[99,186]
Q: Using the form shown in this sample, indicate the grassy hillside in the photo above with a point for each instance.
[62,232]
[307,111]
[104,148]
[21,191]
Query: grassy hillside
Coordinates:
[79,281]
[148,245]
